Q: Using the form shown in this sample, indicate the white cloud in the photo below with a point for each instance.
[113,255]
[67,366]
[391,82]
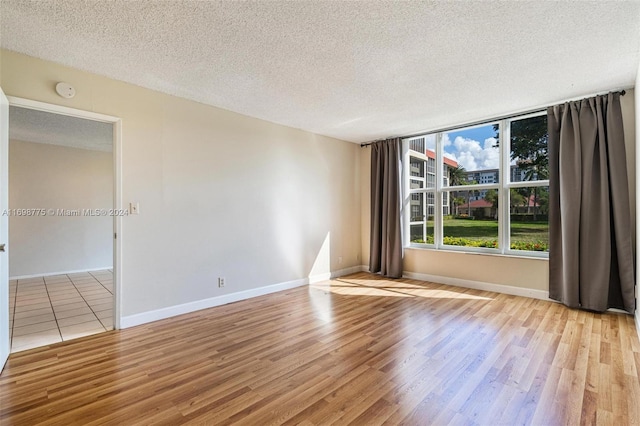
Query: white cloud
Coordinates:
[451,156]
[471,155]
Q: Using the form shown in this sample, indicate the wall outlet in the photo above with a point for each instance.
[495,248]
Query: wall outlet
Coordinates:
[340,260]
[221,282]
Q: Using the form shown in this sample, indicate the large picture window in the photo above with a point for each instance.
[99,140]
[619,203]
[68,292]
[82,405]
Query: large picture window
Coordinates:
[481,188]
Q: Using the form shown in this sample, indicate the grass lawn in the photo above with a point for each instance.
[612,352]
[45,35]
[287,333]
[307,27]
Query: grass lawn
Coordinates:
[522,233]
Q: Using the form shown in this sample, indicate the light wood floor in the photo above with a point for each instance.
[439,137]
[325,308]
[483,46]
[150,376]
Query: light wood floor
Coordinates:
[359,350]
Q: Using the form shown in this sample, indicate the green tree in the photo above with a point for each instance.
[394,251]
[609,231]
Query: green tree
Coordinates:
[517,199]
[491,196]
[457,176]
[457,202]
[469,194]
[543,200]
[529,149]
[524,197]
[529,140]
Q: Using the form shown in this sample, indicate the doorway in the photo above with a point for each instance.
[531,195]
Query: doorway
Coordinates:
[64,220]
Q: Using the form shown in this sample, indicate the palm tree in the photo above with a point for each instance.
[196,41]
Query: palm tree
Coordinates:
[491,196]
[457,176]
[469,194]
[457,202]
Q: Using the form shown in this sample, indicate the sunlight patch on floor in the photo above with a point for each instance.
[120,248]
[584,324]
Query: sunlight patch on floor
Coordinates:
[387,288]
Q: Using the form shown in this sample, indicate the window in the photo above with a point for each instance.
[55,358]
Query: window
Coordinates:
[528,188]
[493,190]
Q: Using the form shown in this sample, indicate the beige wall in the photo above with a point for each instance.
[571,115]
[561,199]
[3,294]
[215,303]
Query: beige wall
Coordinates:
[57,177]
[637,190]
[528,273]
[627,104]
[220,194]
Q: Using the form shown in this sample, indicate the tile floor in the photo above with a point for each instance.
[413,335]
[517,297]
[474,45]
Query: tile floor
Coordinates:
[51,309]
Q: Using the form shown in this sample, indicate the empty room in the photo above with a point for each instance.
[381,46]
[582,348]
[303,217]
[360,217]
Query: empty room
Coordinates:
[319,212]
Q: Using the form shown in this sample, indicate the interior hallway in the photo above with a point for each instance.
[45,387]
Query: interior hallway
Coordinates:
[51,309]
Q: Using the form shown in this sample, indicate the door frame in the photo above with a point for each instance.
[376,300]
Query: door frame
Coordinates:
[5,339]
[117,184]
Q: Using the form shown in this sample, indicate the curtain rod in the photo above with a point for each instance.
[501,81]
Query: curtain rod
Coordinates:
[475,123]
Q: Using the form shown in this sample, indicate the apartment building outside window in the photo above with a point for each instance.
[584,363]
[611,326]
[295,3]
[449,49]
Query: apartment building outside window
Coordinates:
[422,172]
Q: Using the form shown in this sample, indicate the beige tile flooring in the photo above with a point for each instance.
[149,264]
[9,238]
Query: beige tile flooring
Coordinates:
[51,309]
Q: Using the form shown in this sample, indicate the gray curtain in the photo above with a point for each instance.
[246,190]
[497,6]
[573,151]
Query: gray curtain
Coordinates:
[590,252]
[386,238]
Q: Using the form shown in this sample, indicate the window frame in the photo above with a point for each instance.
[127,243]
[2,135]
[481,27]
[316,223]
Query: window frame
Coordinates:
[503,188]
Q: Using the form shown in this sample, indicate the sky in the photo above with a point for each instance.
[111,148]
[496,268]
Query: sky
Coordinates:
[473,148]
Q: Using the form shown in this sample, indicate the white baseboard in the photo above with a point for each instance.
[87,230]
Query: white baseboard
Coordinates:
[347,271]
[185,308]
[335,274]
[479,285]
[170,311]
[150,316]
[49,274]
[499,288]
[319,278]
[496,288]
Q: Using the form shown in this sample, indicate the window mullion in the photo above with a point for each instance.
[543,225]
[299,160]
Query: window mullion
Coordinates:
[437,216]
[528,183]
[406,203]
[503,193]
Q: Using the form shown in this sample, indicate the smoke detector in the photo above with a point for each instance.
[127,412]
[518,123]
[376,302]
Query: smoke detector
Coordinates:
[65,90]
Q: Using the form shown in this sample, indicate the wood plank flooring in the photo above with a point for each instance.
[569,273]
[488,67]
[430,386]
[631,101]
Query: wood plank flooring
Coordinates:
[357,350]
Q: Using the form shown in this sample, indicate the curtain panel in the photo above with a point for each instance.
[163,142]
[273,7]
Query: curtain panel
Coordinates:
[591,262]
[386,236]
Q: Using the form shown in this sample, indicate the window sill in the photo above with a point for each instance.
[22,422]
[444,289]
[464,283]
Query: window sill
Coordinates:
[541,256]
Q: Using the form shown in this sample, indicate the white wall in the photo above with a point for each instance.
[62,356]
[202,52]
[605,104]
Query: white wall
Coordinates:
[57,177]
[526,276]
[220,194]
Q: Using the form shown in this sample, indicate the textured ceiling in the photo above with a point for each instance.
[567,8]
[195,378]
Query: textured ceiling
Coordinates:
[353,70]
[44,127]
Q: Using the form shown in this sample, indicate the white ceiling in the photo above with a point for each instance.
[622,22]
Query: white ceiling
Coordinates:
[54,129]
[357,71]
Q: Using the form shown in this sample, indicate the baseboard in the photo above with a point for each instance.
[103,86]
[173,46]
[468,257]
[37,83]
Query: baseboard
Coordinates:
[479,285]
[171,311]
[335,274]
[185,308]
[347,271]
[637,317]
[499,288]
[319,278]
[49,274]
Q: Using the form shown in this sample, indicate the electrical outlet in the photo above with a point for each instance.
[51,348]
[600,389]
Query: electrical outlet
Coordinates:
[340,260]
[221,282]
